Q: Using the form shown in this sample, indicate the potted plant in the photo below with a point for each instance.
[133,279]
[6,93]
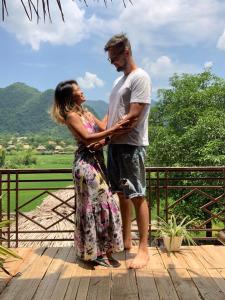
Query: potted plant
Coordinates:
[174,232]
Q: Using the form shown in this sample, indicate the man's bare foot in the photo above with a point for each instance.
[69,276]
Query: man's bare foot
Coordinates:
[140,260]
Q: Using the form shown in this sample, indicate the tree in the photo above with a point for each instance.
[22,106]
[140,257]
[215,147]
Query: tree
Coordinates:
[187,128]
[2,157]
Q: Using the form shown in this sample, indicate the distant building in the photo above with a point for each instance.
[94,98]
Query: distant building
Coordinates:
[41,148]
[26,147]
[70,148]
[11,147]
[21,138]
[58,149]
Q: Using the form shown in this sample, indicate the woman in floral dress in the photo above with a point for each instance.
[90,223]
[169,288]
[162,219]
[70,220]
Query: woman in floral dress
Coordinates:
[98,231]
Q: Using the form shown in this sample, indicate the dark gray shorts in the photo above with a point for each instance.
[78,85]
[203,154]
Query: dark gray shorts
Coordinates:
[126,169]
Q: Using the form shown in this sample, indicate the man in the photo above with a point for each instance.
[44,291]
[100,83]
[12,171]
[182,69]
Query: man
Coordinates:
[129,99]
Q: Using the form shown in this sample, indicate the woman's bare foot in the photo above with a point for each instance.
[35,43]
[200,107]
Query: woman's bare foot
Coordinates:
[140,260]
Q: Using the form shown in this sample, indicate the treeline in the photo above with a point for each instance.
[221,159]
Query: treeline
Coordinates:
[187,126]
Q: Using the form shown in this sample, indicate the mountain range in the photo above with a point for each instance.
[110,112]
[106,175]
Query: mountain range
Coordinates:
[25,110]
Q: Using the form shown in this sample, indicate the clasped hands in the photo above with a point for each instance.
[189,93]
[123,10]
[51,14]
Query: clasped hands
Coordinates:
[121,127]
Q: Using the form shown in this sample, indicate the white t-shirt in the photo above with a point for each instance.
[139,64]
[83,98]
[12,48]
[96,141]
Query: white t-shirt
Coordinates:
[132,88]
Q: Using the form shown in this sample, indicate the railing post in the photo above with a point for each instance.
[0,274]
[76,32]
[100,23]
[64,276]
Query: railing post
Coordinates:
[8,208]
[17,208]
[166,193]
[158,193]
[149,208]
[224,192]
[1,196]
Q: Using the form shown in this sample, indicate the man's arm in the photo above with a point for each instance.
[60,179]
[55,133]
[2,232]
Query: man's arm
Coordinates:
[134,113]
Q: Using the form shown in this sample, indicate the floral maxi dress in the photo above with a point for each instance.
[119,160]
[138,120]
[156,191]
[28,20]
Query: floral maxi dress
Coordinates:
[98,226]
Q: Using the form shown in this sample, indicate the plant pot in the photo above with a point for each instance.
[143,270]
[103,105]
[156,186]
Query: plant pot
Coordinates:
[172,244]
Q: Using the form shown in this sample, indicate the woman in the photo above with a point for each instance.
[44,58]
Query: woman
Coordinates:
[98,230]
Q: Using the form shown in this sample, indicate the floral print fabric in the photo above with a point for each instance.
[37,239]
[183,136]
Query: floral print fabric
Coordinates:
[98,226]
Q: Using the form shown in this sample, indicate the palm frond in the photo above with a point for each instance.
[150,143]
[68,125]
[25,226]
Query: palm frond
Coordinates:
[31,8]
[4,251]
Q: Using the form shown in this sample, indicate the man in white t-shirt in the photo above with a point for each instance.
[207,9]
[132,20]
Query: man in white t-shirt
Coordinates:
[129,99]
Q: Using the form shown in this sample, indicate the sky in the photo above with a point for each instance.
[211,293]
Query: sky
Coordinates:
[167,37]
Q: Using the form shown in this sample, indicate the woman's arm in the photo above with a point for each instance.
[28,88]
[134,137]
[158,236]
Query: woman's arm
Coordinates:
[75,124]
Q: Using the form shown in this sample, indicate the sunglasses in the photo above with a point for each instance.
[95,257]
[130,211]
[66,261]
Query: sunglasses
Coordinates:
[112,59]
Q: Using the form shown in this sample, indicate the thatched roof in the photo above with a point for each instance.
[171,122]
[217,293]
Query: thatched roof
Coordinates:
[38,8]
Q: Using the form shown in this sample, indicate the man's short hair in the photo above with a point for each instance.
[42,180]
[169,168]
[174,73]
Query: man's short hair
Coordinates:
[118,42]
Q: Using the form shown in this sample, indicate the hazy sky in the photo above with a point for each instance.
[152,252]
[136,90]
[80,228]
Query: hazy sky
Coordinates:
[167,36]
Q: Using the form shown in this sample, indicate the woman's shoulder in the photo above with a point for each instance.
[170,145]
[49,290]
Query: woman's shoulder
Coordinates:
[72,115]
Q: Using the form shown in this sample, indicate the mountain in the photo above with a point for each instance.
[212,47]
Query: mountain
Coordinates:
[25,110]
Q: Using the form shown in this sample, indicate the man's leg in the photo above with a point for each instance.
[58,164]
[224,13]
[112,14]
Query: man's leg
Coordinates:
[125,208]
[142,215]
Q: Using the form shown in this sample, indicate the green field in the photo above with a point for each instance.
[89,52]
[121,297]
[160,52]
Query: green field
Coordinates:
[56,161]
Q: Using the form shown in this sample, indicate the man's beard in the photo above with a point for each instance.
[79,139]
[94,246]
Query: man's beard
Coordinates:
[119,69]
[122,68]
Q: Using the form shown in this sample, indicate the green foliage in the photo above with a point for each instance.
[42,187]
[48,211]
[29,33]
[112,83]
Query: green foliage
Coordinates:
[4,251]
[187,126]
[2,157]
[21,159]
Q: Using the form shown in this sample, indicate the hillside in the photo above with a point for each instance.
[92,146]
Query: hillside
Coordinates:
[25,109]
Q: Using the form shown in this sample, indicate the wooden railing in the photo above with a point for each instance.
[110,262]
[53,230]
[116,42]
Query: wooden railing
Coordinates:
[198,191]
[179,190]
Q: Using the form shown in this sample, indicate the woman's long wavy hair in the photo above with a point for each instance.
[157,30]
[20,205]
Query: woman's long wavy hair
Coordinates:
[64,101]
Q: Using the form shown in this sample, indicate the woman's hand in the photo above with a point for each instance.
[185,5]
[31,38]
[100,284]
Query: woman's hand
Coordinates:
[121,127]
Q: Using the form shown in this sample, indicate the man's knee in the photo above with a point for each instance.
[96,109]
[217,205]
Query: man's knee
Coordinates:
[137,201]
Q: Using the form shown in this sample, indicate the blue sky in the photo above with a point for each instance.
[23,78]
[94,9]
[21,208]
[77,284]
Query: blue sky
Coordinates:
[166,36]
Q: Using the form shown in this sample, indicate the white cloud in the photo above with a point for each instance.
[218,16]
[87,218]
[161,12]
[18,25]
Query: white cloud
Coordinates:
[163,67]
[173,22]
[221,42]
[149,23]
[90,81]
[208,64]
[71,32]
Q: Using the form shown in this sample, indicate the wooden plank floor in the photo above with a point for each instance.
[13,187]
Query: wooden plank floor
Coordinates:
[54,273]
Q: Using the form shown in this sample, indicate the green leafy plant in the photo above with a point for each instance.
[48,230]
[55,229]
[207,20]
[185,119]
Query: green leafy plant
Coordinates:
[4,251]
[174,228]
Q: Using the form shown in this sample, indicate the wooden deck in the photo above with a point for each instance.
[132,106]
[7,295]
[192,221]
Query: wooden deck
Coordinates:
[54,273]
